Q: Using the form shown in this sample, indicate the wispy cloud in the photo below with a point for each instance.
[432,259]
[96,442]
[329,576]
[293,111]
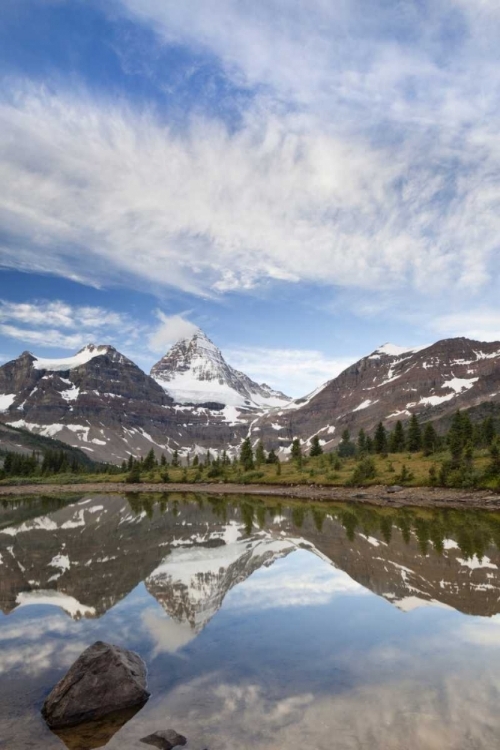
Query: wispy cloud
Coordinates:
[480,324]
[113,195]
[57,324]
[170,329]
[295,371]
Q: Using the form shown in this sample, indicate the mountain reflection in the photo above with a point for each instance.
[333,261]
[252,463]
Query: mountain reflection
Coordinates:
[190,551]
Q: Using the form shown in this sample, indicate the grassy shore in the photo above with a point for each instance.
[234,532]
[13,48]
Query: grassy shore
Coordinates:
[406,469]
[397,479]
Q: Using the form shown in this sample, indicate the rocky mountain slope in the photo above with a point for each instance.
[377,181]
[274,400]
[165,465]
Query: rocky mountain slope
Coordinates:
[387,385]
[195,372]
[101,402]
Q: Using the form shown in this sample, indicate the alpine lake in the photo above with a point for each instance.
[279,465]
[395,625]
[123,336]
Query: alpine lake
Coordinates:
[264,624]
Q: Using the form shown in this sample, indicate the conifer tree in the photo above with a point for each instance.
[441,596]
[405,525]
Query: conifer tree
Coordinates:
[414,435]
[163,460]
[456,441]
[260,456]
[397,439]
[296,452]
[346,447]
[134,475]
[429,439]
[150,461]
[316,449]
[175,458]
[272,458]
[246,455]
[488,431]
[380,440]
[494,467]
[361,441]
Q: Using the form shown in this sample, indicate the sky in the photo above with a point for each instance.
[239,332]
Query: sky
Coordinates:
[304,180]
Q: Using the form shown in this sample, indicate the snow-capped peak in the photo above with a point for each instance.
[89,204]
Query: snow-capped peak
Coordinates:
[69,363]
[393,350]
[195,371]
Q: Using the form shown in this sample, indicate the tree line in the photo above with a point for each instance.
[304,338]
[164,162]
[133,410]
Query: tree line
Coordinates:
[49,463]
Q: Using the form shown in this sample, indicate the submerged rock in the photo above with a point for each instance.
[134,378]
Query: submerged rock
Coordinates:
[165,739]
[104,679]
[94,734]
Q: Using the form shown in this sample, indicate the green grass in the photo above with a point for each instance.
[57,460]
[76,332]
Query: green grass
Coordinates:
[318,471]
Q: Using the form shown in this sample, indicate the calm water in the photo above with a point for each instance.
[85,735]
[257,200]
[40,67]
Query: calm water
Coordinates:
[263,625]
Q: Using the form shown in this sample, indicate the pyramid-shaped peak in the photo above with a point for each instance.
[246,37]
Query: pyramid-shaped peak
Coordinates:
[194,371]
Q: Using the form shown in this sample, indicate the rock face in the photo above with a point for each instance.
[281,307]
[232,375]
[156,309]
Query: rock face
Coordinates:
[104,679]
[388,385]
[165,739]
[101,402]
[195,372]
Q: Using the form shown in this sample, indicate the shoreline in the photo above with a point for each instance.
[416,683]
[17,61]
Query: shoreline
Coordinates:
[380,495]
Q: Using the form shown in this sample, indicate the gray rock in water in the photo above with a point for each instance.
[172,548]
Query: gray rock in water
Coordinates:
[104,679]
[165,739]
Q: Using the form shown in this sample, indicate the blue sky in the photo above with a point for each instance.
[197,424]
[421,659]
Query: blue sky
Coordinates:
[302,180]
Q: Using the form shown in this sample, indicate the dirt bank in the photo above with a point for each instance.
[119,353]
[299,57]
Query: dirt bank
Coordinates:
[430,497]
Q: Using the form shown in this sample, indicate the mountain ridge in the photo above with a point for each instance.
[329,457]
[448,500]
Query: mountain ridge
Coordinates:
[103,403]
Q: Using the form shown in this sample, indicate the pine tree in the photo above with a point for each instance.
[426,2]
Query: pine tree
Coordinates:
[380,440]
[361,441]
[488,431]
[260,456]
[175,458]
[196,460]
[455,439]
[246,455]
[134,475]
[163,460]
[272,457]
[397,439]
[494,467]
[149,461]
[346,447]
[414,435]
[296,452]
[429,439]
[316,449]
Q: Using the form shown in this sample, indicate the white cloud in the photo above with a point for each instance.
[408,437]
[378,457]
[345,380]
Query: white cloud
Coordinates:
[109,195]
[479,324]
[32,323]
[295,371]
[171,329]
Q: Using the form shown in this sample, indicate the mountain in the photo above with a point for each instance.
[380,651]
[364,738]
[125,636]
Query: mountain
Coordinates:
[195,372]
[389,384]
[101,402]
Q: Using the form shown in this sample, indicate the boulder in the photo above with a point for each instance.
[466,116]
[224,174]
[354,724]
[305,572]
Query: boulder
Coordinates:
[104,679]
[165,739]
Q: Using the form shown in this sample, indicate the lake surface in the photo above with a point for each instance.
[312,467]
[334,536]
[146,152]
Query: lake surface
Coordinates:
[263,624]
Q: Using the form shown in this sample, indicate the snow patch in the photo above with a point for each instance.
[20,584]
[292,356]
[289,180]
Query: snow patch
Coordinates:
[69,363]
[365,404]
[6,401]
